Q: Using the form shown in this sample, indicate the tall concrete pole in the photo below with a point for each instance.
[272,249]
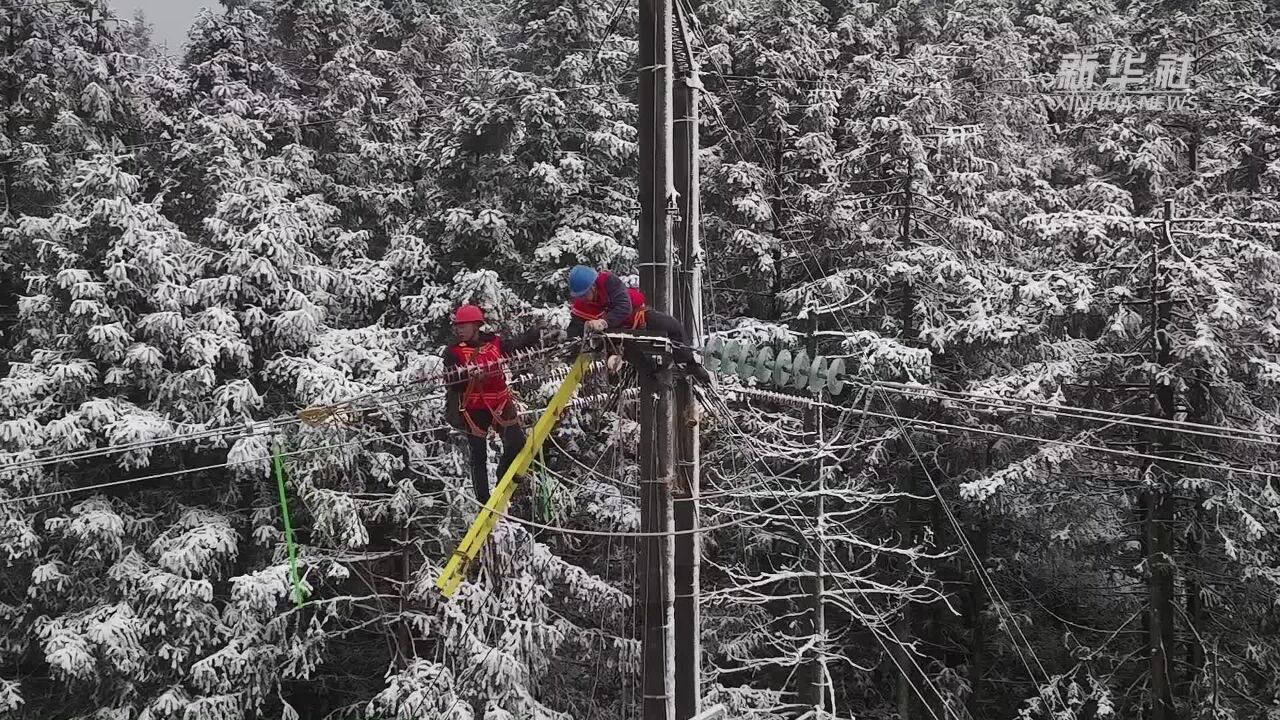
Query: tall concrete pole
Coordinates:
[657,446]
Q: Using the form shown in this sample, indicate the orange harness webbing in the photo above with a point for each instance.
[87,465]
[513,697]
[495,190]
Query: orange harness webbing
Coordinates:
[639,319]
[487,396]
[497,417]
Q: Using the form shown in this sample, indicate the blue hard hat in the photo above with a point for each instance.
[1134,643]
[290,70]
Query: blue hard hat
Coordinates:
[581,278]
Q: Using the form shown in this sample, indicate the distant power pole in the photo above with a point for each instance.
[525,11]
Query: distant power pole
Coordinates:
[813,691]
[1158,499]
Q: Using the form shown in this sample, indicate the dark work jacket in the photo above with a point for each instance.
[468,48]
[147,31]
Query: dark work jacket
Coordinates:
[616,302]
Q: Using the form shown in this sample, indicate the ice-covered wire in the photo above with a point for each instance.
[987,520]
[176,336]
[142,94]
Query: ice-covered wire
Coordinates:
[216,466]
[984,577]
[875,631]
[800,401]
[425,388]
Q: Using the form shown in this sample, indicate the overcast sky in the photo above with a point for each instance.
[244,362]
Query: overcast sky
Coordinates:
[170,19]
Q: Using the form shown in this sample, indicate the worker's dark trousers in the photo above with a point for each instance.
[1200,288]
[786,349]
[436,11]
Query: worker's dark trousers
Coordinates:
[667,325]
[660,322]
[513,438]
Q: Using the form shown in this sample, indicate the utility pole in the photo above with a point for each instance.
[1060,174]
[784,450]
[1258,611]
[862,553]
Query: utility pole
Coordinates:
[906,474]
[657,193]
[688,549]
[1160,545]
[814,694]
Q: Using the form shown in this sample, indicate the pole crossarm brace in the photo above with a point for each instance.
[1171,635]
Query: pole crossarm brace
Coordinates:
[682,52]
[455,572]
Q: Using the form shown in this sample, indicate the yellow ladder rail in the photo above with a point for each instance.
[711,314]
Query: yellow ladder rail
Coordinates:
[455,571]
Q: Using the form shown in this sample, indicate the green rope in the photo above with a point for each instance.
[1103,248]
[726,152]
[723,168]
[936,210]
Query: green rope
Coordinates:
[546,493]
[298,593]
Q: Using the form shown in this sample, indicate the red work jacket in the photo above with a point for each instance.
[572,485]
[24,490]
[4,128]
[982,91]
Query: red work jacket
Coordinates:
[594,310]
[490,391]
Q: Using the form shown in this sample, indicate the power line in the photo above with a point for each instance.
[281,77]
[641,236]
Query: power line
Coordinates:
[1222,432]
[347,406]
[1081,413]
[1048,679]
[227,464]
[874,630]
[784,398]
[214,466]
[979,569]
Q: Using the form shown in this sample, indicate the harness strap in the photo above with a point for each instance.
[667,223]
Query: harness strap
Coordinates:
[497,416]
[472,426]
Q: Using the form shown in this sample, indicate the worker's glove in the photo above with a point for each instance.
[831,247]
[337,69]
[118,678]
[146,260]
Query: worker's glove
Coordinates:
[596,326]
[614,363]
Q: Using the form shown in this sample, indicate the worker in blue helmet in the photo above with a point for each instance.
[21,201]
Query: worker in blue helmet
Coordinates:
[601,301]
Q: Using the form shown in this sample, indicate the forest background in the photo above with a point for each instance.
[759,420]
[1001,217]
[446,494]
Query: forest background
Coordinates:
[1056,499]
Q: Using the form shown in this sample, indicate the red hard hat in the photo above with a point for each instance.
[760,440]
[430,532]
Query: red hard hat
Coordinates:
[468,314]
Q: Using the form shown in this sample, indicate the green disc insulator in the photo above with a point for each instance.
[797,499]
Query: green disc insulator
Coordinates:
[782,368]
[818,373]
[835,376]
[729,357]
[764,364]
[800,370]
[711,353]
[746,361]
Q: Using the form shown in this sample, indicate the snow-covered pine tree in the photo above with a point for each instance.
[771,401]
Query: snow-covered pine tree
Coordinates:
[290,217]
[536,158]
[1128,165]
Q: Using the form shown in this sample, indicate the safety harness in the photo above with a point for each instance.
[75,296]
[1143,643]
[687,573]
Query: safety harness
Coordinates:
[487,392]
[639,309]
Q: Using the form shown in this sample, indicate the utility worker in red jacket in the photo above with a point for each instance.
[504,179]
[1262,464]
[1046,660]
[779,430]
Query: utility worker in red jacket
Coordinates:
[601,301]
[481,401]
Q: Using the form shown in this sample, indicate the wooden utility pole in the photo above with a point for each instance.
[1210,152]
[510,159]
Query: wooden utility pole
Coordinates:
[657,191]
[1160,545]
[906,476]
[814,693]
[688,549]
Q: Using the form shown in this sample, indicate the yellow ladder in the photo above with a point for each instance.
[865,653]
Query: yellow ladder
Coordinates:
[455,572]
